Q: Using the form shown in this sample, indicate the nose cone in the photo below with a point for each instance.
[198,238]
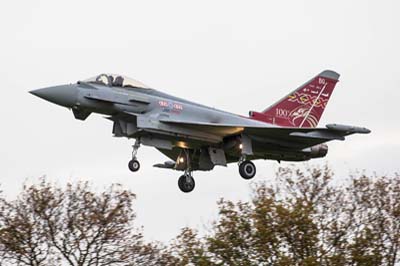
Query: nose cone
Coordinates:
[64,95]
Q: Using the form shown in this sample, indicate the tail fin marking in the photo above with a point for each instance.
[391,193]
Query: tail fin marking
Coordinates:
[304,106]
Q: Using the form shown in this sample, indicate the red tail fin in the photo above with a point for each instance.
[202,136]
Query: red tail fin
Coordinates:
[304,106]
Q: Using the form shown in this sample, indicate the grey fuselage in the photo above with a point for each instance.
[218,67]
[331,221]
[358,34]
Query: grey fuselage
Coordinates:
[172,124]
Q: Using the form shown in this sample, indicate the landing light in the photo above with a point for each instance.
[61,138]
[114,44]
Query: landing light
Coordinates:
[182,145]
[240,146]
[181,160]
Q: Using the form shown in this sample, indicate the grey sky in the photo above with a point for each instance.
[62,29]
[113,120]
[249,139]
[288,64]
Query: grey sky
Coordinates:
[234,55]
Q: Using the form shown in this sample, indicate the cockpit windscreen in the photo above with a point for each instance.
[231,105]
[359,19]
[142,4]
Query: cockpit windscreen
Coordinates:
[113,80]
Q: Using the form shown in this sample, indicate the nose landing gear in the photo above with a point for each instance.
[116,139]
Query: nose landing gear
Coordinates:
[134,164]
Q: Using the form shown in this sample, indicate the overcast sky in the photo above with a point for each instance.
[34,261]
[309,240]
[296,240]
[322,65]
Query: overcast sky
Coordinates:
[233,55]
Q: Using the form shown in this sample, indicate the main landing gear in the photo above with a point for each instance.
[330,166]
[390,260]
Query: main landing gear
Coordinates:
[186,182]
[247,169]
[134,164]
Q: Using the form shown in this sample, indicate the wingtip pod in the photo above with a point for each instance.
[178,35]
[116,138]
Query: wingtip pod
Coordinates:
[351,129]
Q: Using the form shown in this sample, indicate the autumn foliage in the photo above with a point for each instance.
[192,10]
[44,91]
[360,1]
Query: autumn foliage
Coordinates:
[47,225]
[303,220]
[301,217]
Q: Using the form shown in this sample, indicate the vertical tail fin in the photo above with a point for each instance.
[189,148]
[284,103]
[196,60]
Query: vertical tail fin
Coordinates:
[304,106]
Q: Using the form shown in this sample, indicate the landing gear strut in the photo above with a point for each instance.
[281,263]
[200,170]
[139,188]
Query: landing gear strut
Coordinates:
[134,164]
[186,181]
[247,169]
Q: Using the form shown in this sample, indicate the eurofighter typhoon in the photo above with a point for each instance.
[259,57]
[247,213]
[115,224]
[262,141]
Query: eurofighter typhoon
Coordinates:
[196,137]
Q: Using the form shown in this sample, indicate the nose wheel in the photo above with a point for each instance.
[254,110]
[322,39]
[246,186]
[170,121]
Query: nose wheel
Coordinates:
[134,164]
[247,169]
[186,183]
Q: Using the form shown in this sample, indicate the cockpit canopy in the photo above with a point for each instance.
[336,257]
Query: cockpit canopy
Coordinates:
[113,80]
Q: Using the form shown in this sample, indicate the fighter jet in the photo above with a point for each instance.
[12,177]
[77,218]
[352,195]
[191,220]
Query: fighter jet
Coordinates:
[197,137]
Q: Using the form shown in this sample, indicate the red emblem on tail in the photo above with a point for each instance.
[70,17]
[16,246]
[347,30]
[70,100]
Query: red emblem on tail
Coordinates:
[304,106]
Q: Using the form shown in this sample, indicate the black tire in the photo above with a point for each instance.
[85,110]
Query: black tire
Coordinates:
[134,165]
[247,170]
[186,183]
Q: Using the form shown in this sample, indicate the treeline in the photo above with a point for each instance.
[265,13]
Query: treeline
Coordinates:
[299,218]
